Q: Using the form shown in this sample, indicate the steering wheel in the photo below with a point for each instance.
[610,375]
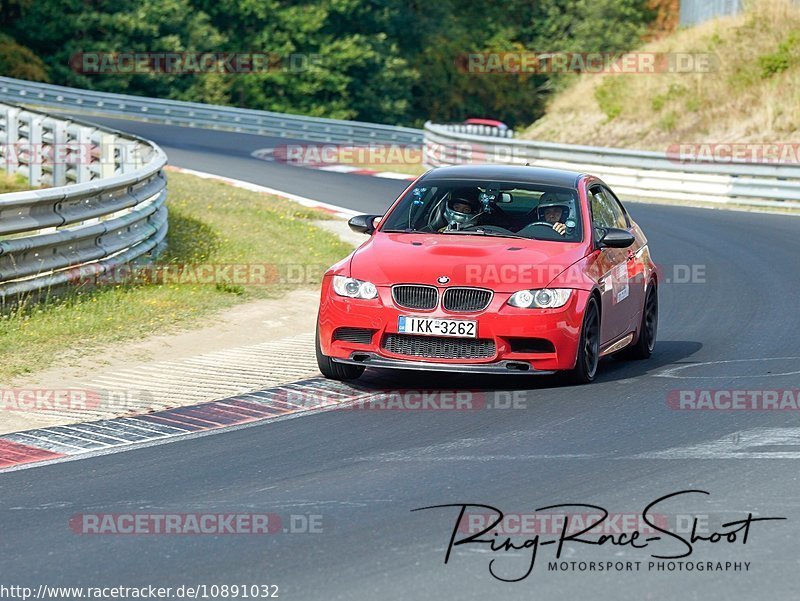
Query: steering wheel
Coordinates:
[489,228]
[545,223]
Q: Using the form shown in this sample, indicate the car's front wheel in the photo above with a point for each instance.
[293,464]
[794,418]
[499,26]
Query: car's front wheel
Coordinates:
[335,371]
[588,348]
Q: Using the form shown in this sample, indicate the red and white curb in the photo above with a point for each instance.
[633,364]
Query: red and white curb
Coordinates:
[265,154]
[30,447]
[301,200]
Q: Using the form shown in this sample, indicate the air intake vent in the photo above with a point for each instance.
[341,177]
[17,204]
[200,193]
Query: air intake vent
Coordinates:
[465,300]
[359,335]
[531,345]
[439,347]
[415,297]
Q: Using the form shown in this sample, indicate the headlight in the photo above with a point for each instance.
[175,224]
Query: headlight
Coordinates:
[353,288]
[546,298]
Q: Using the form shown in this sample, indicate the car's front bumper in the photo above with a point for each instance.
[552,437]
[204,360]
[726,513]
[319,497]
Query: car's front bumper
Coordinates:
[499,322]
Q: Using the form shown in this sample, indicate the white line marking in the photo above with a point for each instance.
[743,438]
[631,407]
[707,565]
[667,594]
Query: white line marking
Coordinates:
[737,445]
[673,371]
[394,175]
[306,202]
[339,168]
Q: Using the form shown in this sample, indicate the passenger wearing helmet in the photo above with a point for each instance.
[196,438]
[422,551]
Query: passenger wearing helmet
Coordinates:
[461,211]
[553,211]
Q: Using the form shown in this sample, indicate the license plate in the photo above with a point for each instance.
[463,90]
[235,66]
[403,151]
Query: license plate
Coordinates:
[456,328]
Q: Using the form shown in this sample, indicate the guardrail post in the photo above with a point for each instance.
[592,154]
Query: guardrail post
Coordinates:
[83,168]
[108,160]
[10,152]
[129,156]
[60,152]
[35,156]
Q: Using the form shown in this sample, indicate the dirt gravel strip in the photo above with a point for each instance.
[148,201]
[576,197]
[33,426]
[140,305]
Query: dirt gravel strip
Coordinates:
[249,347]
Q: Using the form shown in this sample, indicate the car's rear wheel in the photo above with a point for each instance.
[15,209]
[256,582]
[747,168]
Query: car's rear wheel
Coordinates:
[588,348]
[335,371]
[647,329]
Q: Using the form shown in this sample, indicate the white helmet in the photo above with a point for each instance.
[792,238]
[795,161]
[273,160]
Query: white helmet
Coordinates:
[552,200]
[461,218]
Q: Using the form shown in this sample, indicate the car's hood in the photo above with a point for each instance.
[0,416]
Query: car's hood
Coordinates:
[502,264]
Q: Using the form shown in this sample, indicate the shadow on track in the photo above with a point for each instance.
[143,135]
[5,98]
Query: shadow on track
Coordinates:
[667,352]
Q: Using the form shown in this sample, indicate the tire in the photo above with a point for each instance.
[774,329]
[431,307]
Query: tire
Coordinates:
[335,371]
[588,357]
[647,328]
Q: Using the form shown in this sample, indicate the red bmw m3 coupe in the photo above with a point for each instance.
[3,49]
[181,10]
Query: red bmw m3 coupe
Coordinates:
[491,269]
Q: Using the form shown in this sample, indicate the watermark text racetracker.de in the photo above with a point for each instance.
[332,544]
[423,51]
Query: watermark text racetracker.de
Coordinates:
[56,401]
[533,274]
[61,153]
[192,63]
[600,63]
[47,400]
[149,591]
[196,523]
[234,274]
[769,153]
[408,399]
[729,399]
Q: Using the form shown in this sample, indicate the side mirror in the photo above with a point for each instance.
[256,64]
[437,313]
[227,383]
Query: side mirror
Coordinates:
[363,224]
[616,238]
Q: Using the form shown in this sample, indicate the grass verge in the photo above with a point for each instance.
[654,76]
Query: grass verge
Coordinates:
[13,183]
[749,90]
[212,225]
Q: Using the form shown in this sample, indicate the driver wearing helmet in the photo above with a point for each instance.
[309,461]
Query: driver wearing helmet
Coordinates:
[553,211]
[461,211]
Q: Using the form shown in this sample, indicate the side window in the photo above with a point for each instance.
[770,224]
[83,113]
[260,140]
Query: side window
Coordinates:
[602,215]
[606,210]
[620,219]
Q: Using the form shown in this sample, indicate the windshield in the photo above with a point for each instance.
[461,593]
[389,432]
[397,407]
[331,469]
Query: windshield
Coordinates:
[511,210]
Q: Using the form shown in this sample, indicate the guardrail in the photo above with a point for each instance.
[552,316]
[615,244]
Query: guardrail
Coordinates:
[479,130]
[209,116]
[634,174]
[106,207]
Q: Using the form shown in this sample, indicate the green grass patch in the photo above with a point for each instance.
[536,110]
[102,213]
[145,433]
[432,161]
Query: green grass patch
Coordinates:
[609,96]
[211,223]
[13,183]
[787,55]
[668,122]
[673,92]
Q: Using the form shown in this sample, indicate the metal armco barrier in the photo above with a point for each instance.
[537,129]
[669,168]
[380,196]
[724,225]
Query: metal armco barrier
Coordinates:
[634,174]
[209,116]
[105,207]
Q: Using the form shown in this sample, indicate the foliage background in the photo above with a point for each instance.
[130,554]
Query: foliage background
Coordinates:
[389,61]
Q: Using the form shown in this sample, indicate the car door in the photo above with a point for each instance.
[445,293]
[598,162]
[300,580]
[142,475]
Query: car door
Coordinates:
[611,267]
[635,277]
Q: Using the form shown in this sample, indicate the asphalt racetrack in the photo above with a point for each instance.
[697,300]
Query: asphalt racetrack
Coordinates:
[616,443]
